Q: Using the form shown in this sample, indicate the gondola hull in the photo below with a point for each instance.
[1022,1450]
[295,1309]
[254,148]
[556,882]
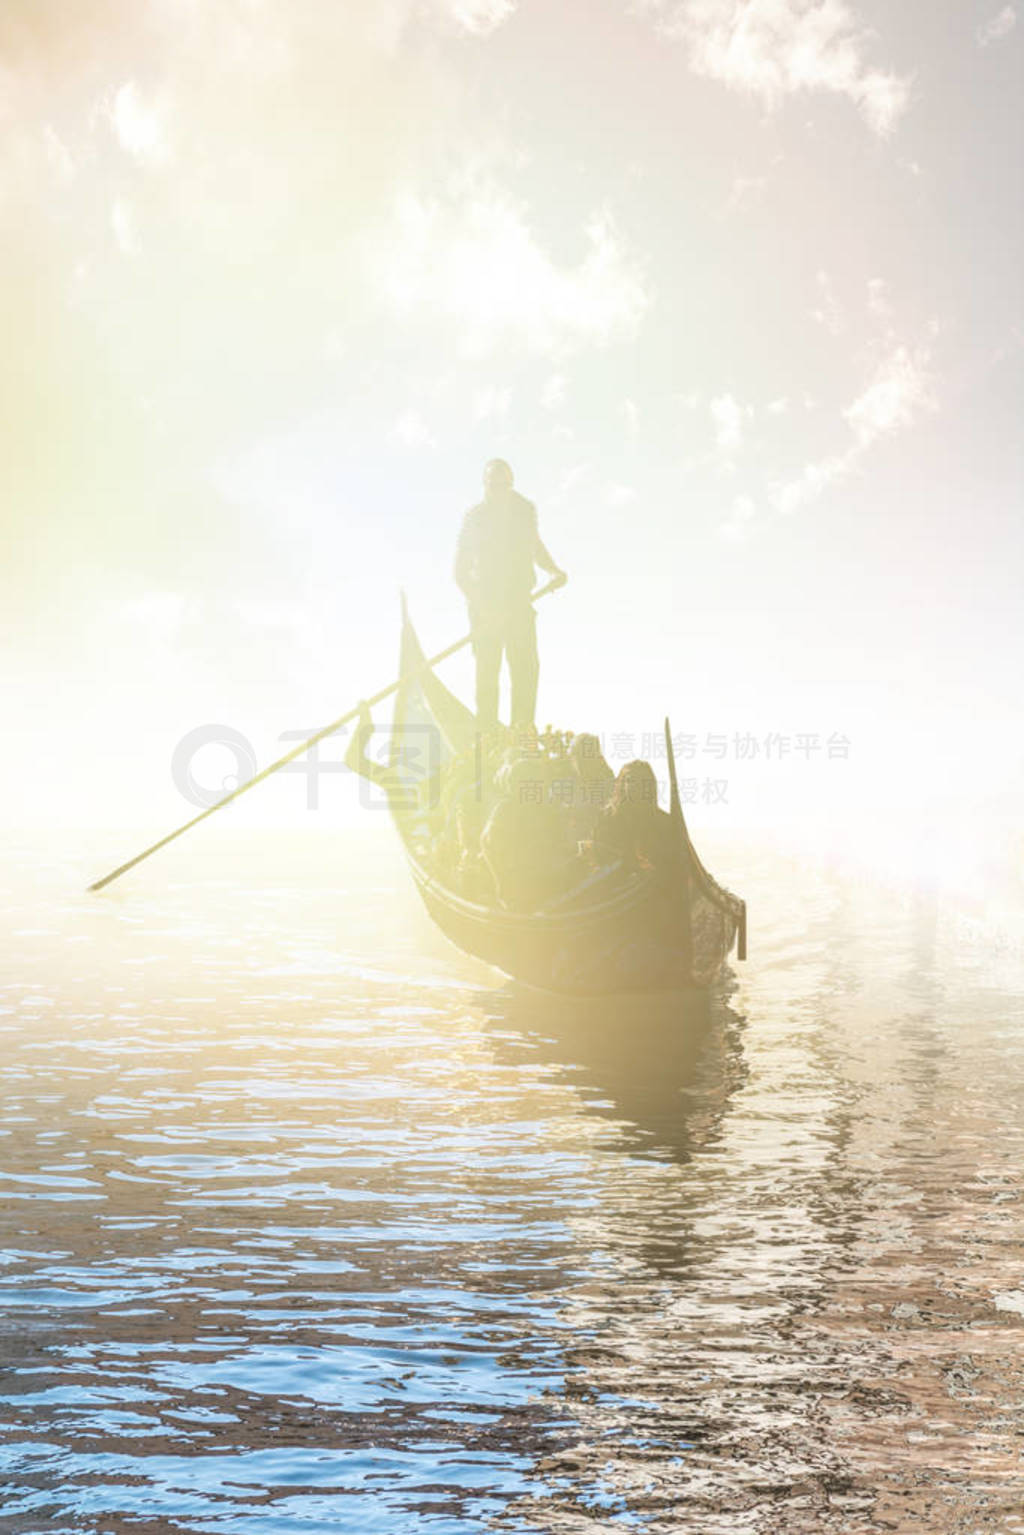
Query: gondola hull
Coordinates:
[595,951]
[612,934]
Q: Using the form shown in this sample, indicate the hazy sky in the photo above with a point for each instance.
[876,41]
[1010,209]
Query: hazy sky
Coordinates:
[735,287]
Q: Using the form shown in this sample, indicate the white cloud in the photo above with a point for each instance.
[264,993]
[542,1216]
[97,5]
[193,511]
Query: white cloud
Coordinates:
[734,529]
[744,191]
[997,26]
[897,394]
[727,419]
[552,396]
[492,403]
[58,155]
[900,389]
[774,48]
[139,126]
[156,617]
[478,17]
[829,312]
[809,484]
[122,222]
[573,481]
[879,301]
[385,23]
[631,417]
[412,431]
[472,260]
[883,99]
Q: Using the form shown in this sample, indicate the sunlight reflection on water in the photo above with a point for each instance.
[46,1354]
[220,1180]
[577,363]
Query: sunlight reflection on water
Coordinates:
[311,1224]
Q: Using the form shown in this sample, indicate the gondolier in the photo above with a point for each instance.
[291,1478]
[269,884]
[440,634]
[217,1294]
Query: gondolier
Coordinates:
[498,550]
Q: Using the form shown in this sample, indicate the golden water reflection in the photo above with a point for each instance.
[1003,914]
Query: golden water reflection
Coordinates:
[311,1224]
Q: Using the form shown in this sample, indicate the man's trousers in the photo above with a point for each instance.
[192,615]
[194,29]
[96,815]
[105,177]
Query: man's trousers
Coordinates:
[513,635]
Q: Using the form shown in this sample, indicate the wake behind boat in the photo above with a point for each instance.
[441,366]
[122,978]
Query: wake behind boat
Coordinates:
[611,928]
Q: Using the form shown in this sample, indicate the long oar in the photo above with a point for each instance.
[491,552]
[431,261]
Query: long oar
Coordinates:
[303,746]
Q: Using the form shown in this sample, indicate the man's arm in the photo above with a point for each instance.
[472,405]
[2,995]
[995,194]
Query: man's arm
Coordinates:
[541,556]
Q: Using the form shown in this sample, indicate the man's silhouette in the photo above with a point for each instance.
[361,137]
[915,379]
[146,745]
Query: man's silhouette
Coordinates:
[499,546]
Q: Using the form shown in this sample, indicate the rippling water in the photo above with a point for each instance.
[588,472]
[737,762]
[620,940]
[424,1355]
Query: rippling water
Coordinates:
[311,1224]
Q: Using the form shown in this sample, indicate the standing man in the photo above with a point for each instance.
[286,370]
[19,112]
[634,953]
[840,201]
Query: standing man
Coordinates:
[499,545]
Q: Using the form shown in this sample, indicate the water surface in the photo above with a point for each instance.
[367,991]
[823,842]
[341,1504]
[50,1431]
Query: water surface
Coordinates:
[312,1224]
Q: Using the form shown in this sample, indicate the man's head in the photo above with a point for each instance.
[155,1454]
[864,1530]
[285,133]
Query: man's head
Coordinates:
[498,478]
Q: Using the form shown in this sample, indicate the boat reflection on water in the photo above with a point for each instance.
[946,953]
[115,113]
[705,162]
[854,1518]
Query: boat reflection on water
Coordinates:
[661,1068]
[653,1080]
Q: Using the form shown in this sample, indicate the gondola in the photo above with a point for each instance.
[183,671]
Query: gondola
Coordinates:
[609,934]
